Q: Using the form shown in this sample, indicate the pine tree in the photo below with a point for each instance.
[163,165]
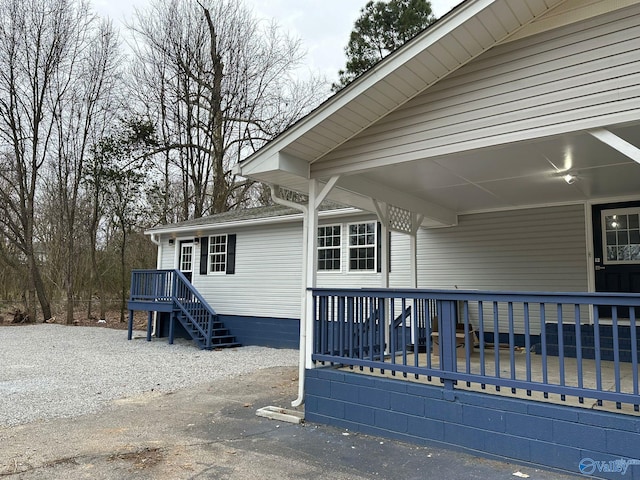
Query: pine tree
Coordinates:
[381,28]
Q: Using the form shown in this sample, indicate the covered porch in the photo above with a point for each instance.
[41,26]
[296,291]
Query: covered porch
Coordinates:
[512,140]
[451,339]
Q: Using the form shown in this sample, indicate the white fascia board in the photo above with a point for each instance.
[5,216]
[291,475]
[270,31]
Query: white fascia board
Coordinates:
[294,217]
[279,161]
[379,72]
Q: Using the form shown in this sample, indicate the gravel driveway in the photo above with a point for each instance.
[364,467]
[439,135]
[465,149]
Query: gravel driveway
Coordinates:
[49,371]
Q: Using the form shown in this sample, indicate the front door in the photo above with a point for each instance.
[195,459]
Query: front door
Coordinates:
[616,230]
[185,261]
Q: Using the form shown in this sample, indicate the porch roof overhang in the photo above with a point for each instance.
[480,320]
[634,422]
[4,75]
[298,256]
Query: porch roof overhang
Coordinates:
[519,169]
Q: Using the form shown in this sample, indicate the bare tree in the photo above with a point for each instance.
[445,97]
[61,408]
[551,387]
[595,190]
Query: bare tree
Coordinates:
[219,84]
[81,118]
[54,64]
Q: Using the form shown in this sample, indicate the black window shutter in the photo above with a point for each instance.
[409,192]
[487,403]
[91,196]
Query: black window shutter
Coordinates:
[389,250]
[231,254]
[204,255]
[379,248]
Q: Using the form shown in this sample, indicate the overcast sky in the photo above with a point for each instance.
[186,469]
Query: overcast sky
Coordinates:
[323,25]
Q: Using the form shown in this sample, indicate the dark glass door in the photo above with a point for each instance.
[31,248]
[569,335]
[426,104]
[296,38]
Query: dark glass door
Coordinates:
[616,231]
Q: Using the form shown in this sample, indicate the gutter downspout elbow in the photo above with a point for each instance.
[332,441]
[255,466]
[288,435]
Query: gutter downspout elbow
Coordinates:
[303,324]
[154,239]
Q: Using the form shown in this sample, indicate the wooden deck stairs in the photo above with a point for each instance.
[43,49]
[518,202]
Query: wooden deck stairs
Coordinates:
[169,292]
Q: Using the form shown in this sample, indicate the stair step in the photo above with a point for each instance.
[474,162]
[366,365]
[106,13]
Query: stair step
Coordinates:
[223,345]
[197,314]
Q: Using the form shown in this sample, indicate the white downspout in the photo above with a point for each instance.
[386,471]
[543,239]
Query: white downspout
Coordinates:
[156,241]
[303,324]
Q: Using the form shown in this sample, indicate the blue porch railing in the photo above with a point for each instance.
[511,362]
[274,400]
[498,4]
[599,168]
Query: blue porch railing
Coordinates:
[170,291]
[547,343]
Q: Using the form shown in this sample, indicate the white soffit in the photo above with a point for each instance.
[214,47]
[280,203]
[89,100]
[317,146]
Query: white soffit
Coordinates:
[569,12]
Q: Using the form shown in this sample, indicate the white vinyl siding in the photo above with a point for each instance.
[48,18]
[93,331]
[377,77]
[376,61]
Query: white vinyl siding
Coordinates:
[542,249]
[268,274]
[578,77]
[168,259]
[521,250]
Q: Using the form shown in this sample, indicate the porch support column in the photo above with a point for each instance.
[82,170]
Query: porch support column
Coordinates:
[416,221]
[310,256]
[383,217]
[317,194]
[149,325]
[130,326]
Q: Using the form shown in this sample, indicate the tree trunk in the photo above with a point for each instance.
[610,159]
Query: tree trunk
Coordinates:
[123,297]
[69,275]
[38,286]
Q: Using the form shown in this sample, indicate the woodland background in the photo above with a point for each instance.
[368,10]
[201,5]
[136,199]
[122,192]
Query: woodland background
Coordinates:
[101,139]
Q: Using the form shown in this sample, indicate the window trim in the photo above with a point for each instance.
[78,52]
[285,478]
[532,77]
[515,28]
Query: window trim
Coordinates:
[373,246]
[603,222]
[182,244]
[223,262]
[339,248]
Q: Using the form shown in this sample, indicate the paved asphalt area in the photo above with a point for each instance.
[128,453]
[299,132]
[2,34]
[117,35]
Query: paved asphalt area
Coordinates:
[212,432]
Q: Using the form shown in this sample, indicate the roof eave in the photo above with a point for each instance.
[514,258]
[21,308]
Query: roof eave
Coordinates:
[292,217]
[269,154]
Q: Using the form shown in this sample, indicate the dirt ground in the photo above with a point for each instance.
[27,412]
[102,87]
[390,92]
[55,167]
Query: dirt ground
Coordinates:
[112,319]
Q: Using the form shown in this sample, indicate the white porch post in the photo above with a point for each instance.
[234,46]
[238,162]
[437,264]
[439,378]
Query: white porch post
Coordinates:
[384,246]
[383,217]
[316,197]
[413,252]
[416,220]
[311,258]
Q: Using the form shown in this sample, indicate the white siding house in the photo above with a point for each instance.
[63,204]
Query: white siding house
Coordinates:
[266,283]
[500,147]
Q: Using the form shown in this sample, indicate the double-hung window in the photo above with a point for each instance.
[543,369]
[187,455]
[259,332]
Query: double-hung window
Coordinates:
[217,254]
[362,246]
[329,251]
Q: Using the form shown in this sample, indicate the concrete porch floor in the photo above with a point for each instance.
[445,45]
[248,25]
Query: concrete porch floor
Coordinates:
[607,371]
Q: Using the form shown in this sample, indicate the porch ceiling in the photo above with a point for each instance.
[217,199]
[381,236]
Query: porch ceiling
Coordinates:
[516,175]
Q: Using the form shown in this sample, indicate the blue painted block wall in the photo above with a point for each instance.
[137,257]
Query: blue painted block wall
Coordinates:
[556,436]
[263,331]
[258,331]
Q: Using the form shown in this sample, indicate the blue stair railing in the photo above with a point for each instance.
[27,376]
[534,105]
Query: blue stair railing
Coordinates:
[170,291]
[197,317]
